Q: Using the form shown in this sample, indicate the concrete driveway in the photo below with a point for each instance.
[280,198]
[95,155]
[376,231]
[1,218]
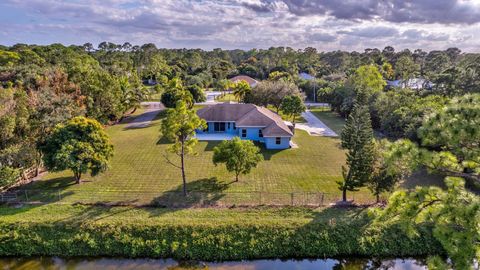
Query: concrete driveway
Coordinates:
[315,126]
[144,119]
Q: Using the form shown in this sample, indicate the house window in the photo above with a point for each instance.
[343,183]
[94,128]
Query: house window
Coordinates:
[260,133]
[244,133]
[218,127]
[278,140]
[234,127]
[228,125]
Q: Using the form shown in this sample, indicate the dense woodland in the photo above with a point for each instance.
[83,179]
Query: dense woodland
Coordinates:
[41,86]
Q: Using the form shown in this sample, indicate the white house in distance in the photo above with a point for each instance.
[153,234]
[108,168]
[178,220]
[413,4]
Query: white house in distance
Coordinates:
[414,83]
[251,81]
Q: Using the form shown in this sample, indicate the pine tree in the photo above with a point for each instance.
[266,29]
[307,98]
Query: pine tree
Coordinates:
[357,138]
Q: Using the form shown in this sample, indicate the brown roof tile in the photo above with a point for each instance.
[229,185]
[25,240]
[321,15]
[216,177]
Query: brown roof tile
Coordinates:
[247,115]
[251,81]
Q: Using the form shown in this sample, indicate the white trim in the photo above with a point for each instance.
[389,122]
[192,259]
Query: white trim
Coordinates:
[277,136]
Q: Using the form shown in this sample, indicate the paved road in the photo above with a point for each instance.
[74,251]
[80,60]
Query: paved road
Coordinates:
[144,119]
[315,126]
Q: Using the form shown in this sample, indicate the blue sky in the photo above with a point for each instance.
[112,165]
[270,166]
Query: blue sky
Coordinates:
[245,24]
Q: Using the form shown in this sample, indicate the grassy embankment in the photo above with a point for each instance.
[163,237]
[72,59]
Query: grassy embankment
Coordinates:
[203,234]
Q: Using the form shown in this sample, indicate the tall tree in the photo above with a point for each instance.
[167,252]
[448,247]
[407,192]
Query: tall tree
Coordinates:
[357,139]
[368,80]
[293,106]
[405,68]
[175,92]
[179,127]
[272,93]
[385,176]
[239,156]
[80,145]
[241,89]
[450,140]
[453,214]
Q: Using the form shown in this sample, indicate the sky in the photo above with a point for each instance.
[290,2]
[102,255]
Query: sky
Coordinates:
[327,25]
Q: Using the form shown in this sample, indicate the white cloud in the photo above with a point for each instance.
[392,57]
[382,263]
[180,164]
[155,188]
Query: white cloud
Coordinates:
[327,25]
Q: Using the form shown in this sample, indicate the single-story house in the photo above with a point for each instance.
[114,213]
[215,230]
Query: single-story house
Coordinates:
[247,121]
[251,81]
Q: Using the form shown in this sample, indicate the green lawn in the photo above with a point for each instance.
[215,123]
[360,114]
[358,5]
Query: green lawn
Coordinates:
[226,97]
[329,118]
[162,216]
[139,173]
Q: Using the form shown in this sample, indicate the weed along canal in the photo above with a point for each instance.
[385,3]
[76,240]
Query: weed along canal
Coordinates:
[53,263]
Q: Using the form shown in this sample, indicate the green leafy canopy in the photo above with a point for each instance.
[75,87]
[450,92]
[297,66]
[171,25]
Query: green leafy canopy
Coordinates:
[239,156]
[80,145]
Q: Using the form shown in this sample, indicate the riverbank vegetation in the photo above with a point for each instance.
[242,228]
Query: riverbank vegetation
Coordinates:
[205,234]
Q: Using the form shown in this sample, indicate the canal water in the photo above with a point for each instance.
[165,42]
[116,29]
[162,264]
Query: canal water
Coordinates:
[53,263]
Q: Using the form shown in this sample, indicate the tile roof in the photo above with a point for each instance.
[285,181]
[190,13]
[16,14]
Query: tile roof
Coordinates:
[251,81]
[247,115]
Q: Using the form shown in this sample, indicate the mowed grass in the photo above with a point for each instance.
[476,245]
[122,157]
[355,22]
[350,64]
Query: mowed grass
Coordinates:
[140,174]
[329,118]
[164,216]
[226,97]
[139,170]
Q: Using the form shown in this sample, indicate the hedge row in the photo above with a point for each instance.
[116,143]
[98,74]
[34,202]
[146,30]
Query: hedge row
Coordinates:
[213,242]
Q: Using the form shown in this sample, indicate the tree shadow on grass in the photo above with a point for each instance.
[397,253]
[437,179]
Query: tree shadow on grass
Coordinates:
[200,193]
[145,120]
[163,140]
[39,193]
[211,144]
[93,213]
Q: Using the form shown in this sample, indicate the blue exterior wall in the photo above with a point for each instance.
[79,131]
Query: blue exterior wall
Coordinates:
[270,143]
[252,134]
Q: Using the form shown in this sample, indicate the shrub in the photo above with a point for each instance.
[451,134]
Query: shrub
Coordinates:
[214,240]
[8,176]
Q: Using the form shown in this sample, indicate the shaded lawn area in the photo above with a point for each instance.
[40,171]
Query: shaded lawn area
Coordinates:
[139,173]
[329,118]
[161,216]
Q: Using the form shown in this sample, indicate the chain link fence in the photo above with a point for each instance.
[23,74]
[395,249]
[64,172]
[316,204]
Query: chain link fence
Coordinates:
[176,199]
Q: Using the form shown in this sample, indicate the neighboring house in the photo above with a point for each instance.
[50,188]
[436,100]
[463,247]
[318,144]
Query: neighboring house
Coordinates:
[149,82]
[414,83]
[246,121]
[305,76]
[251,81]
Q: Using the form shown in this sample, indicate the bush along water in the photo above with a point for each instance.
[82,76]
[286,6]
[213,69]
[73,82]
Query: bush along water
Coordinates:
[214,241]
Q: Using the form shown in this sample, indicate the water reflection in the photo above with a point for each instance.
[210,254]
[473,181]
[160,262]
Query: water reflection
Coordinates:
[54,263]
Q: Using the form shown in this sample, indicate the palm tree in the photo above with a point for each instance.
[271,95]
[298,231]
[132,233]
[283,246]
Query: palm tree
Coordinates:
[241,89]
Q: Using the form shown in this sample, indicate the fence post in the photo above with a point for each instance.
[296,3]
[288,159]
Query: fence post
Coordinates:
[323,195]
[26,195]
[260,197]
[291,198]
[59,198]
